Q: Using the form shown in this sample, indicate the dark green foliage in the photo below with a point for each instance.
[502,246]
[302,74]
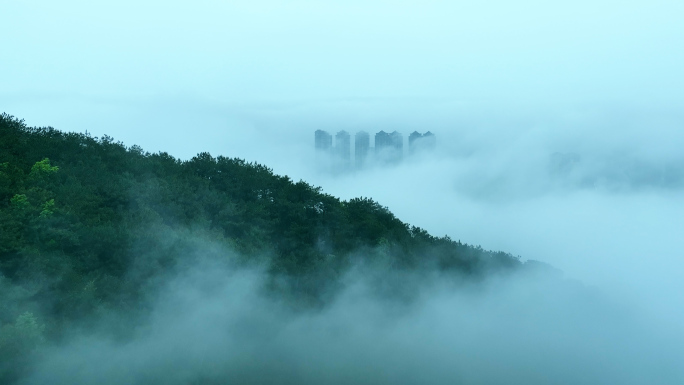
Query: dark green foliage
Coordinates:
[87,225]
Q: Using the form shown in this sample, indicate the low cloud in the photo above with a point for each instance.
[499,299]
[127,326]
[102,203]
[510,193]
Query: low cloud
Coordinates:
[217,325]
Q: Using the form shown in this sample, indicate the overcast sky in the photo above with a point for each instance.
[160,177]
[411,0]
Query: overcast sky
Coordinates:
[234,53]
[503,84]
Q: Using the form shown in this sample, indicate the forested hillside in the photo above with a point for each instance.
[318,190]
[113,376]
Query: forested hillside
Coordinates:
[87,225]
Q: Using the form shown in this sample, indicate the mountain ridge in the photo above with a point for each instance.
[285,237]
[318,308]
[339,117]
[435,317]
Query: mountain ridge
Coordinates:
[87,225]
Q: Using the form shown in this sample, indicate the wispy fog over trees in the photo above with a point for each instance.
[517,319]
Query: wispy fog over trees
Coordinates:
[89,227]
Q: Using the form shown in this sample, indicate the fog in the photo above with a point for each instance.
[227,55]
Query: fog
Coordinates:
[559,134]
[213,324]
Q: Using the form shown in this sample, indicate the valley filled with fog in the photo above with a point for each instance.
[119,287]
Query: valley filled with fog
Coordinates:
[547,246]
[599,200]
[596,192]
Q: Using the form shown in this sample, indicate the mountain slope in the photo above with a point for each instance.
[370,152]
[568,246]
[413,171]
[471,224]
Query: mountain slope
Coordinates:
[87,226]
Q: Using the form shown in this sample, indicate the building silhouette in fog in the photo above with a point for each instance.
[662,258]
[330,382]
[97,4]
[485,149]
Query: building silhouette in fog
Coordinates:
[343,146]
[415,135]
[323,141]
[342,161]
[361,148]
[421,142]
[389,148]
[397,142]
[382,141]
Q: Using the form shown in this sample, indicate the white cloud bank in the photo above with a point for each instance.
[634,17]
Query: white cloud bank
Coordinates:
[212,326]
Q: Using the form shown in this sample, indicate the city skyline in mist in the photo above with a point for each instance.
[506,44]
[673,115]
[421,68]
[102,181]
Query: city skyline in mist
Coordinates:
[343,155]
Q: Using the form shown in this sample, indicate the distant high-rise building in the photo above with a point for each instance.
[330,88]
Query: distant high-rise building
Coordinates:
[361,148]
[382,142]
[397,142]
[389,147]
[415,135]
[343,146]
[421,142]
[323,141]
[430,140]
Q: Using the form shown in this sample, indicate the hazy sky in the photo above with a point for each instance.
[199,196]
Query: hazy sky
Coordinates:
[231,53]
[504,85]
